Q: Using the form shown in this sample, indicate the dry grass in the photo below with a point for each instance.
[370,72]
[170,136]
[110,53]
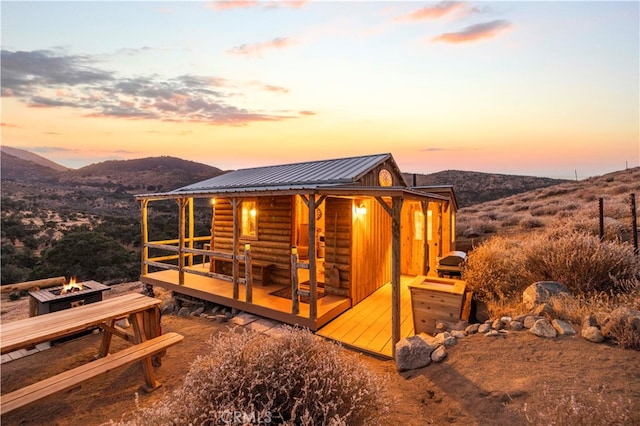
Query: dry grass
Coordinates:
[293,378]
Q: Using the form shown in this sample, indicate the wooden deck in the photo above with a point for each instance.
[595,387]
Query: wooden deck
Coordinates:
[367,325]
[264,303]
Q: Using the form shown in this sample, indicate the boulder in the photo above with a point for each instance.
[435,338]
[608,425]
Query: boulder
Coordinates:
[543,328]
[472,328]
[412,353]
[622,318]
[439,354]
[530,320]
[563,328]
[541,291]
[458,334]
[483,328]
[592,334]
[516,325]
[431,341]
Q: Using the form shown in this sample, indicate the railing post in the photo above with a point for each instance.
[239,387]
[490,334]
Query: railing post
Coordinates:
[295,302]
[248,277]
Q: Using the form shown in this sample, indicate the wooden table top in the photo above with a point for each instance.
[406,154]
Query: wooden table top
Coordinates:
[43,328]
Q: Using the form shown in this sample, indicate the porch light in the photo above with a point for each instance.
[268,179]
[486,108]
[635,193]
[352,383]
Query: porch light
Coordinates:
[252,212]
[361,210]
[213,202]
[247,247]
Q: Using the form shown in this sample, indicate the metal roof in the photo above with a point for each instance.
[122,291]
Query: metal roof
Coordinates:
[313,174]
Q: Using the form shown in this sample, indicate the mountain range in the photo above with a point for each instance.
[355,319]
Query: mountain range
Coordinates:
[155,174]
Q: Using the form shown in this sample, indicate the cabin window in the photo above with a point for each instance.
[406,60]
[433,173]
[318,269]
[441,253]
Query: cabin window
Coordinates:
[453,227]
[418,225]
[249,218]
[429,225]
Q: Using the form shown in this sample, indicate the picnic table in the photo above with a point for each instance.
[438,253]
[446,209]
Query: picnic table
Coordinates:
[143,314]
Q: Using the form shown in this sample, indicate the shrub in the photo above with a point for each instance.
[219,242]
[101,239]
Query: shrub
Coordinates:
[290,378]
[502,268]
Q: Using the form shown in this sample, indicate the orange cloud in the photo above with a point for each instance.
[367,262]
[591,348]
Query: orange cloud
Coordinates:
[233,4]
[436,11]
[475,32]
[258,48]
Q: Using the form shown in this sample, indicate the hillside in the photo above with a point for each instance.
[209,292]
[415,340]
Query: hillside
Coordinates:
[476,187]
[34,158]
[529,211]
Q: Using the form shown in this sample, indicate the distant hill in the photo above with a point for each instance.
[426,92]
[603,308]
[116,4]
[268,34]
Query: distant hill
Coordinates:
[34,158]
[476,187]
[152,174]
[16,169]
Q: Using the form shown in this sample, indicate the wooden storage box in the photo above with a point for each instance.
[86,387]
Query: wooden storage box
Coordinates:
[436,299]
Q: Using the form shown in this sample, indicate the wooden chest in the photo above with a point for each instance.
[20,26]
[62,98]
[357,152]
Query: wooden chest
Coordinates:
[436,299]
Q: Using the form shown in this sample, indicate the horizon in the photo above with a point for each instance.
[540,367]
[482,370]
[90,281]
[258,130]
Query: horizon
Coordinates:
[545,89]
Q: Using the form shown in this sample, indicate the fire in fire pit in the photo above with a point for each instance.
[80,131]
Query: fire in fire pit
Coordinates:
[71,287]
[57,299]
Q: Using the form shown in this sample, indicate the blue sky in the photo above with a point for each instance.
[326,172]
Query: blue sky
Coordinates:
[536,88]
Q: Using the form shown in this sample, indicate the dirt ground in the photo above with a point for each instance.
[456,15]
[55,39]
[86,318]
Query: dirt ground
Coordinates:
[483,381]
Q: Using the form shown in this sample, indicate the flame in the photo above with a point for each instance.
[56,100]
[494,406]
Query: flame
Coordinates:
[71,286]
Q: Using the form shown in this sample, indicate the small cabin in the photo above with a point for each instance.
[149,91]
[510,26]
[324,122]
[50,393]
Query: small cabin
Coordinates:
[300,243]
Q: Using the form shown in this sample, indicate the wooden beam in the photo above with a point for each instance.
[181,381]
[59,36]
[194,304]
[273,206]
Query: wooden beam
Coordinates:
[235,203]
[396,206]
[44,283]
[182,203]
[313,296]
[144,268]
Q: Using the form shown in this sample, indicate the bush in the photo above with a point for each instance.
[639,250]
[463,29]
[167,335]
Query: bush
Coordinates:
[290,378]
[503,268]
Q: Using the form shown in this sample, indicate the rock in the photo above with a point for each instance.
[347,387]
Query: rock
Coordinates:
[184,311]
[592,334]
[521,318]
[530,320]
[544,310]
[439,354]
[622,318]
[196,312]
[222,318]
[168,309]
[543,328]
[563,328]
[541,291]
[432,342]
[589,321]
[215,310]
[412,353]
[458,334]
[516,325]
[124,323]
[492,333]
[472,328]
[483,328]
[497,324]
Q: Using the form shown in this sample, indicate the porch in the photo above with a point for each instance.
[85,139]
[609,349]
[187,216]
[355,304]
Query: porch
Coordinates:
[264,302]
[367,326]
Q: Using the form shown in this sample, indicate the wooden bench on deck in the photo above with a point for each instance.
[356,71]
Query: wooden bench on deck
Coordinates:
[74,378]
[143,313]
[264,268]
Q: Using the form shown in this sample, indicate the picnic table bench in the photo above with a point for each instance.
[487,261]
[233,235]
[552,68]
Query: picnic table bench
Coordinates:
[143,314]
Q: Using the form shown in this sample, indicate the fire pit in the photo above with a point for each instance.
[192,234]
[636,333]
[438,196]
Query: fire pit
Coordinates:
[67,296]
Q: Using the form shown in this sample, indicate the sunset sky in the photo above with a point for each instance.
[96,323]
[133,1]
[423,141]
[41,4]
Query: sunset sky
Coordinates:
[534,88]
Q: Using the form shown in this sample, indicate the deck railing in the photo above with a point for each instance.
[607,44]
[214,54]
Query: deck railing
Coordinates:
[188,254]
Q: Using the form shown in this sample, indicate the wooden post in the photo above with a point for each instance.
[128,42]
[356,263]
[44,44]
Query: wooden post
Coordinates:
[313,294]
[248,276]
[235,203]
[634,222]
[181,222]
[145,237]
[601,216]
[426,266]
[396,207]
[295,301]
[191,230]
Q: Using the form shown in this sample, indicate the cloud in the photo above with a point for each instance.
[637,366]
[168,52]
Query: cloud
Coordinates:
[307,113]
[436,11]
[46,79]
[258,48]
[3,124]
[475,32]
[245,4]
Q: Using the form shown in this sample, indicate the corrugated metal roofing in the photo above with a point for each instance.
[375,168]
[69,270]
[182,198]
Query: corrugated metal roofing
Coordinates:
[317,174]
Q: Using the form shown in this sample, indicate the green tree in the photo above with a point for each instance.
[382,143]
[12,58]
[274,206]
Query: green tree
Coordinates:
[89,255]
